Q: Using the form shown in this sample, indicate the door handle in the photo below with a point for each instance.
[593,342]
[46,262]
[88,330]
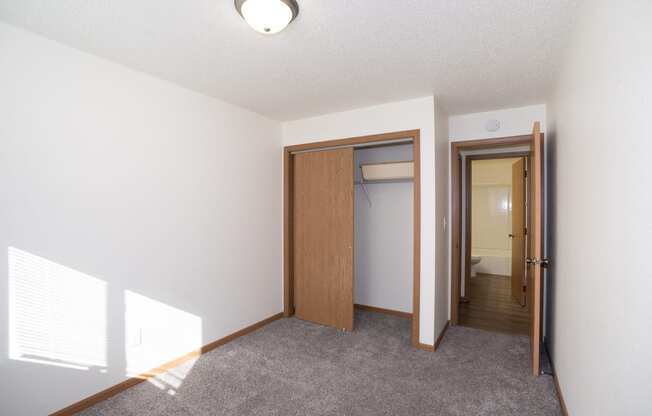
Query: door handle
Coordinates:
[511,235]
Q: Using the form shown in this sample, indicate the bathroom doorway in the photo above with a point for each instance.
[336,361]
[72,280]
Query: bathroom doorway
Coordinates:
[494,288]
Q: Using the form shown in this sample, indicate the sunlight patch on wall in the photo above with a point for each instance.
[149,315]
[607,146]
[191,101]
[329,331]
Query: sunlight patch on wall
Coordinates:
[156,333]
[57,315]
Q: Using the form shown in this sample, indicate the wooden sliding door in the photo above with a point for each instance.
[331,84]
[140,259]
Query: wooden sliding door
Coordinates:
[323,237]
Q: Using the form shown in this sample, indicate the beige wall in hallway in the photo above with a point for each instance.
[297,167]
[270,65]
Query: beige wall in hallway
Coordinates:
[491,214]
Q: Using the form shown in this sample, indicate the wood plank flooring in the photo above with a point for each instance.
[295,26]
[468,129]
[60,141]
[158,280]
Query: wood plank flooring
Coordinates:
[491,306]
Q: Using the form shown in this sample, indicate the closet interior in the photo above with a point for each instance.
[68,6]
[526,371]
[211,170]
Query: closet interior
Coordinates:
[383,228]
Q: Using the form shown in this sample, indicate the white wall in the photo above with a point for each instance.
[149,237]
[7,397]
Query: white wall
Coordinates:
[600,181]
[491,215]
[384,254]
[397,116]
[144,202]
[513,122]
[442,258]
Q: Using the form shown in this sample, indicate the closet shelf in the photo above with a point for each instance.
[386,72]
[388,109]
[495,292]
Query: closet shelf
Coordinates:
[381,181]
[387,171]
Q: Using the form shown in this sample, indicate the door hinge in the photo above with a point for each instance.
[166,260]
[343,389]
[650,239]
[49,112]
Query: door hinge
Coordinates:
[525,173]
[542,262]
[525,231]
[524,288]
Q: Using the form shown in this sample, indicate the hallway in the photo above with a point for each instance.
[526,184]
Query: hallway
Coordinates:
[491,306]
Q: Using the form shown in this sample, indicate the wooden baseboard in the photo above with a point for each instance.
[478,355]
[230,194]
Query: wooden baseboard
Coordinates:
[562,403]
[242,332]
[383,310]
[113,390]
[425,347]
[560,396]
[441,335]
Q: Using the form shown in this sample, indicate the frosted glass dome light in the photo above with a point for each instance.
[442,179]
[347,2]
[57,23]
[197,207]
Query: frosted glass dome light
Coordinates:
[267,16]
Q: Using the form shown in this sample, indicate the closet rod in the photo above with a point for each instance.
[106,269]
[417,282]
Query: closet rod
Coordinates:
[355,146]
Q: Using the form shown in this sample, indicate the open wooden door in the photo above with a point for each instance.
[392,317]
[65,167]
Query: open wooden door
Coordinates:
[536,261]
[518,231]
[323,237]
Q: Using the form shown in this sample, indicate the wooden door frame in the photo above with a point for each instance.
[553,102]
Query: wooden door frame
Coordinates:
[468,237]
[288,159]
[456,204]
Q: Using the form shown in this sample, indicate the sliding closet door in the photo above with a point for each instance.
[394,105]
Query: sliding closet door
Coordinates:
[323,237]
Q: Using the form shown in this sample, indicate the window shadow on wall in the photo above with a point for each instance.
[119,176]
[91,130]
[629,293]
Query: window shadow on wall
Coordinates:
[58,317]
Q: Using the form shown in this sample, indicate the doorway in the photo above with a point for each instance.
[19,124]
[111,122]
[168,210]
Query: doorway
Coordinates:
[494,226]
[530,149]
[319,222]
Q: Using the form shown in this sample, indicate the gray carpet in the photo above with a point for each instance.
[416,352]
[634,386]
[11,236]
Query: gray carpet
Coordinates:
[291,367]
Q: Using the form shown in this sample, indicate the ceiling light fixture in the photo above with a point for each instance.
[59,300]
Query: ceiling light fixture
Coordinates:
[267,16]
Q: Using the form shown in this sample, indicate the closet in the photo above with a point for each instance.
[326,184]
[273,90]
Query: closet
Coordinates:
[352,229]
[383,237]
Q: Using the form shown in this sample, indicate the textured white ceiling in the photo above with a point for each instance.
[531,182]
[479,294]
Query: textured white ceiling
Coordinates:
[338,55]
